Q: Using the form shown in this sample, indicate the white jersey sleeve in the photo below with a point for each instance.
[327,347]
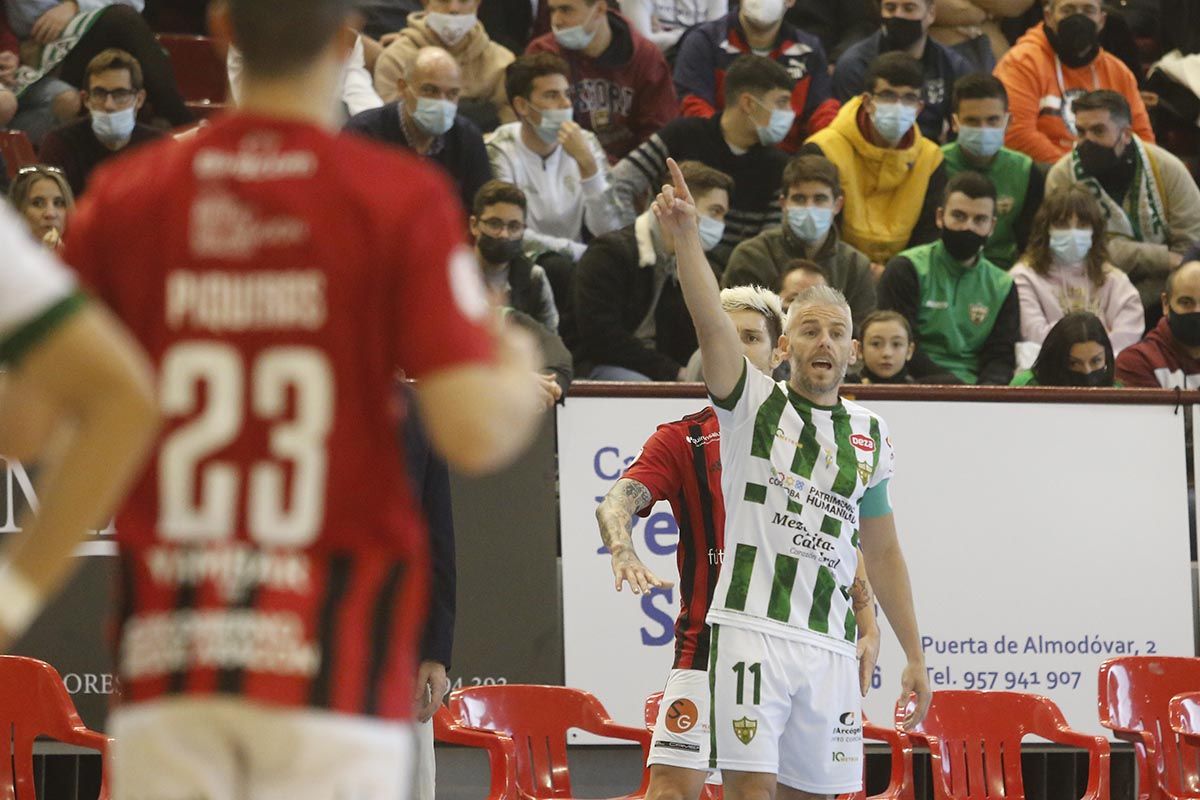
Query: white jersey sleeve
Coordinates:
[741,407]
[32,283]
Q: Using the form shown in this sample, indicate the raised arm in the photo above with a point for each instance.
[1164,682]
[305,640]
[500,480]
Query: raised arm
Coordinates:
[615,516]
[720,348]
[885,563]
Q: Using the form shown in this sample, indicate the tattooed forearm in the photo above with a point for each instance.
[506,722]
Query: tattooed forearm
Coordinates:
[615,512]
[860,594]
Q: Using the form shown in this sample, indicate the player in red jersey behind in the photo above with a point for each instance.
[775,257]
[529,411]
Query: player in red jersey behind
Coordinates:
[273,569]
[681,463]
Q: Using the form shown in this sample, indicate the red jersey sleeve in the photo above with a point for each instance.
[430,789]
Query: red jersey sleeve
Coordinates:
[656,467]
[440,306]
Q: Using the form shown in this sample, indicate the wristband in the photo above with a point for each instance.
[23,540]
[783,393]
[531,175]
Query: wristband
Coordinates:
[20,601]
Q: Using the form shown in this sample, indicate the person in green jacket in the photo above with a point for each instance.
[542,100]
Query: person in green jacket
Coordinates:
[962,307]
[1076,352]
[980,120]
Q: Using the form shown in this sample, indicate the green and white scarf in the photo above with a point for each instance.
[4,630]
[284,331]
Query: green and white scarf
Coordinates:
[1141,218]
[56,51]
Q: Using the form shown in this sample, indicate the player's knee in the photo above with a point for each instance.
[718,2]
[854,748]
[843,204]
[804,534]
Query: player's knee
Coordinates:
[750,789]
[665,791]
[673,783]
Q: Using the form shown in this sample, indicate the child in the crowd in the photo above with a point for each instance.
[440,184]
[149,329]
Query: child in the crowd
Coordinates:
[887,347]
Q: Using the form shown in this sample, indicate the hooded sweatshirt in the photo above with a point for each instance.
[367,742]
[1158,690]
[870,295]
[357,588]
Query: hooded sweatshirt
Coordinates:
[1036,95]
[1158,361]
[891,193]
[481,60]
[1045,299]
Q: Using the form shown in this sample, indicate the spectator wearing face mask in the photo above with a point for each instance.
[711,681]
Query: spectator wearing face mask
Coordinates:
[905,29]
[739,142]
[1066,269]
[979,120]
[758,27]
[113,95]
[1150,202]
[1053,64]
[454,26]
[962,308]
[1169,356]
[811,198]
[561,167]
[1076,352]
[620,83]
[425,119]
[633,323]
[893,176]
[887,348]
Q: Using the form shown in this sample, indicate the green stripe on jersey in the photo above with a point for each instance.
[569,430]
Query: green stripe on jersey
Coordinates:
[807,450]
[793,507]
[767,422]
[779,607]
[847,476]
[818,617]
[875,437]
[851,625]
[755,493]
[739,582]
[24,338]
[831,526]
[713,640]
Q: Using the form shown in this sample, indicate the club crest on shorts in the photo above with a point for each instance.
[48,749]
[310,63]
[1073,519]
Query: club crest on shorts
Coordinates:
[744,729]
[681,716]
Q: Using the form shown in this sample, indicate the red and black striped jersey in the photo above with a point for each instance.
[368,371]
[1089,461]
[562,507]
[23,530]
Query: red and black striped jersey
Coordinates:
[681,463]
[272,548]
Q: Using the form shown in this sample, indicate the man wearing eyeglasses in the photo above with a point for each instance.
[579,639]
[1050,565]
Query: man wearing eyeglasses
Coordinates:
[113,95]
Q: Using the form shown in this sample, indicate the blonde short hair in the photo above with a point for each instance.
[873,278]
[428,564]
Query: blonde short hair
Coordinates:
[819,295]
[756,298]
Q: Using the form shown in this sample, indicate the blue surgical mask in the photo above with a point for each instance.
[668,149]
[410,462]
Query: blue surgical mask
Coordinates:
[776,129]
[552,120]
[711,231]
[114,127]
[809,223]
[1070,245]
[893,120]
[576,37]
[981,142]
[435,117]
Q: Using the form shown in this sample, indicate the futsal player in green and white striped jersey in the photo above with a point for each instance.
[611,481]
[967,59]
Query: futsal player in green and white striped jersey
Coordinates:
[805,481]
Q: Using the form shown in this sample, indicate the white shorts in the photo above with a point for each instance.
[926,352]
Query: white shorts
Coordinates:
[682,737]
[788,708]
[220,747]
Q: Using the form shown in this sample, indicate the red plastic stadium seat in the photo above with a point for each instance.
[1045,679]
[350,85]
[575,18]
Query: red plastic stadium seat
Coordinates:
[499,746]
[199,72]
[974,741]
[900,785]
[1135,696]
[17,151]
[34,702]
[537,718]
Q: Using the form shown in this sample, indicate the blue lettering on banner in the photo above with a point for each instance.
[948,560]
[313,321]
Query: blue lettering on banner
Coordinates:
[664,618]
[662,525]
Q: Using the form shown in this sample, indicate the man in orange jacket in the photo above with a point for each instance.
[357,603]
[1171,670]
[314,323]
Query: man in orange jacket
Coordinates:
[1051,65]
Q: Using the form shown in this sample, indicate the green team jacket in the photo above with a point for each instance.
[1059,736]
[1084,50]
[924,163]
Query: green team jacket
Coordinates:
[967,319]
[1019,191]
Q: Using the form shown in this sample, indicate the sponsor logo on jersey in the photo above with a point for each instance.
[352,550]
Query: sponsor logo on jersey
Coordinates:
[258,158]
[842,758]
[864,443]
[978,312]
[847,719]
[221,226]
[681,716]
[668,744]
[744,729]
[703,440]
[940,305]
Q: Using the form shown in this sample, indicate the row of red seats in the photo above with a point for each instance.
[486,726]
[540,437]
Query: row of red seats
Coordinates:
[974,738]
[199,72]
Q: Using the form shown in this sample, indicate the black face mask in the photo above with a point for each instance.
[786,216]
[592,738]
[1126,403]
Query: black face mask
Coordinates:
[1185,327]
[1077,40]
[962,245]
[899,33]
[496,250]
[1097,377]
[1096,159]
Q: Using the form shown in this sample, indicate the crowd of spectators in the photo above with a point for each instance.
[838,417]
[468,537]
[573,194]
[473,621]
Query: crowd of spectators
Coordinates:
[980,178]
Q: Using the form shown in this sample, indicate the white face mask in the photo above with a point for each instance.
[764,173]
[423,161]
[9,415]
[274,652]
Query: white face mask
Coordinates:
[576,37]
[763,12]
[114,127]
[1070,245]
[435,117]
[981,142]
[711,231]
[451,28]
[809,223]
[893,120]
[552,120]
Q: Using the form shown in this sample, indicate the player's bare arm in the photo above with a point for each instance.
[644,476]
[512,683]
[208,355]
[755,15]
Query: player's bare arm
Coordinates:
[615,517]
[721,351]
[885,562]
[90,387]
[862,599]
[481,417]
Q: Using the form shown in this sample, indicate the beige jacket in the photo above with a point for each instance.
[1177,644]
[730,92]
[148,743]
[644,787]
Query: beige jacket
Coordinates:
[481,60]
